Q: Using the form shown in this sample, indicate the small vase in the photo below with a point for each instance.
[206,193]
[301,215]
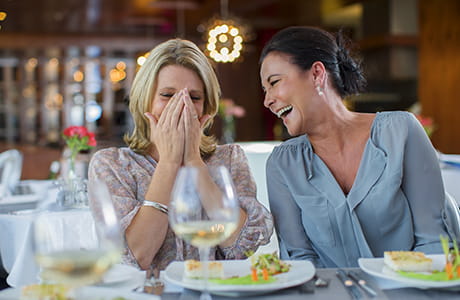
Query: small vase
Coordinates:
[73,191]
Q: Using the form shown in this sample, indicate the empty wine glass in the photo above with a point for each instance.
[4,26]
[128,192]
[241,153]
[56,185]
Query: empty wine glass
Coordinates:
[204,211]
[72,258]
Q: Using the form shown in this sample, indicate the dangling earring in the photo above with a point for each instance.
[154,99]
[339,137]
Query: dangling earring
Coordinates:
[319,90]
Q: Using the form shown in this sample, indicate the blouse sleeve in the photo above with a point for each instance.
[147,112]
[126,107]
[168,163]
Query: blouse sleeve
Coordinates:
[258,227]
[293,240]
[423,187]
[110,167]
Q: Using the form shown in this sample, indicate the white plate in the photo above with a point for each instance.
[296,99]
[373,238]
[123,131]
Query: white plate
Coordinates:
[376,267]
[88,293]
[300,272]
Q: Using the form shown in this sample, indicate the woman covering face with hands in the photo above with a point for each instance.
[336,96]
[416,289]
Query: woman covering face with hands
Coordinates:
[173,99]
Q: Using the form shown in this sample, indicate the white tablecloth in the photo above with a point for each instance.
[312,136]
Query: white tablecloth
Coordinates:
[16,239]
[16,248]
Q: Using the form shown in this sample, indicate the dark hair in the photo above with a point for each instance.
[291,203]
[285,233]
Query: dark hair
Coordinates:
[306,45]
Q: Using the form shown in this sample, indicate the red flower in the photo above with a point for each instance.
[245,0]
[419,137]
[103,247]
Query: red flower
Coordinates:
[81,131]
[78,138]
[92,139]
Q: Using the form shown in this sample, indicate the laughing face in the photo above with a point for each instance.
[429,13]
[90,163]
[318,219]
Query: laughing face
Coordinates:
[288,91]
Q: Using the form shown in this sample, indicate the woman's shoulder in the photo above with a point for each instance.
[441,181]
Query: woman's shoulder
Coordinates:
[227,151]
[112,153]
[395,118]
[293,144]
[394,126]
[115,155]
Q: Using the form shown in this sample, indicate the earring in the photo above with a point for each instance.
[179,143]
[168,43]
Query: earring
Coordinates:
[319,90]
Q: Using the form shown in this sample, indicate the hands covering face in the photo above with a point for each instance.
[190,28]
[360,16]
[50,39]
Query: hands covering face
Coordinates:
[177,133]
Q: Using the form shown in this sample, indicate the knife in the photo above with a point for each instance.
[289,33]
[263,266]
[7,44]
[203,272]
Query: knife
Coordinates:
[349,285]
[362,283]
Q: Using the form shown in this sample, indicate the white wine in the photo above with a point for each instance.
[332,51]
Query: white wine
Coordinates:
[204,233]
[76,267]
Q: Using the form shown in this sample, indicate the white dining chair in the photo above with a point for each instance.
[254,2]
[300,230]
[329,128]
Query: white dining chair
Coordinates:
[452,214]
[10,171]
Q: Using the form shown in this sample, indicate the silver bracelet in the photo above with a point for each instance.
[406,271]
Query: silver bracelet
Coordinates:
[161,207]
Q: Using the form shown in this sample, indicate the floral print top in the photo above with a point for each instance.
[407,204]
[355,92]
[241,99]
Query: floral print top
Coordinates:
[128,174]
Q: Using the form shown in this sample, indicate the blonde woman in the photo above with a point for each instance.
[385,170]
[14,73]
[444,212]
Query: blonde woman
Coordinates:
[173,100]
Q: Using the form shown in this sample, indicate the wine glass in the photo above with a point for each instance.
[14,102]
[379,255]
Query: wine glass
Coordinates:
[74,258]
[204,211]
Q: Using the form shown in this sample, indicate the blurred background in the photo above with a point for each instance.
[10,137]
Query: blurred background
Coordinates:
[71,62]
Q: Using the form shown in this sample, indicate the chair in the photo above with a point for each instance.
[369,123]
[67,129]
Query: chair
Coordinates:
[257,154]
[452,217]
[10,171]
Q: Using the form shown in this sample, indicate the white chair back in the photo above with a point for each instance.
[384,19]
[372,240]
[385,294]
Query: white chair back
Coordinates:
[257,154]
[10,171]
[452,212]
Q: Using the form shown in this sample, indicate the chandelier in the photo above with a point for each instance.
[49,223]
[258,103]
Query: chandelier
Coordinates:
[225,36]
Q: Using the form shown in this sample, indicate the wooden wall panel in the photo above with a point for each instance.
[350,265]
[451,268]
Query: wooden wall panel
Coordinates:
[439,70]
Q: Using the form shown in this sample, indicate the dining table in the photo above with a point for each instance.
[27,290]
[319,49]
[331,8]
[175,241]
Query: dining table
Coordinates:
[385,289]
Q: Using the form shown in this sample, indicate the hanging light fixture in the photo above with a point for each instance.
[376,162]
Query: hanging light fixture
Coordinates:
[225,36]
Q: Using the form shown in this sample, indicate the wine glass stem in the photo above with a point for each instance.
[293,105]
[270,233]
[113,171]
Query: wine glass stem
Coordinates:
[204,257]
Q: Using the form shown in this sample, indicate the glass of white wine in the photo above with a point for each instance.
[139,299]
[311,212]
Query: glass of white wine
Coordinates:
[79,261]
[204,211]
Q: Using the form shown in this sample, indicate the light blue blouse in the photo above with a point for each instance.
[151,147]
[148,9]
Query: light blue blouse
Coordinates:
[395,203]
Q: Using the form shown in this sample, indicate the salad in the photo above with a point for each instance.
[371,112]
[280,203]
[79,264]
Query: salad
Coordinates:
[266,265]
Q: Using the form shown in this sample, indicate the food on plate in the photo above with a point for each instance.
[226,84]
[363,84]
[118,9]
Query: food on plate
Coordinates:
[452,267]
[262,269]
[45,292]
[243,280]
[451,270]
[269,264]
[409,261]
[194,269]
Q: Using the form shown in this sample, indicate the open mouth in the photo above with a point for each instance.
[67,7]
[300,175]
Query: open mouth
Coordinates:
[284,111]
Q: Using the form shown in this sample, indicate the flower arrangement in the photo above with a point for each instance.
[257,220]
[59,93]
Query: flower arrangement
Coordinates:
[228,111]
[78,138]
[427,124]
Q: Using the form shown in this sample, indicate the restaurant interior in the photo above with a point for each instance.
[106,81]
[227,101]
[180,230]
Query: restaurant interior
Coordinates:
[71,63]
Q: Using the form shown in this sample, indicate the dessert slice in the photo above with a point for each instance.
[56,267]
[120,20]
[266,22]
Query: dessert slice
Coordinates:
[409,261]
[194,269]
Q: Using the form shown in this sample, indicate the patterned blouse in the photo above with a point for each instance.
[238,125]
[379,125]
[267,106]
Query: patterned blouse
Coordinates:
[128,176]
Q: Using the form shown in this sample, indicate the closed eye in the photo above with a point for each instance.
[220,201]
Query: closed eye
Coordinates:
[167,95]
[272,83]
[195,98]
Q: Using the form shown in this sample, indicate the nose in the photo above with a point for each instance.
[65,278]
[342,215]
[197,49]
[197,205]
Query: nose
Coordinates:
[268,100]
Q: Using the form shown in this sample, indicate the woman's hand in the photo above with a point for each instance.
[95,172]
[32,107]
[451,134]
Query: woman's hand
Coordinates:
[167,133]
[193,125]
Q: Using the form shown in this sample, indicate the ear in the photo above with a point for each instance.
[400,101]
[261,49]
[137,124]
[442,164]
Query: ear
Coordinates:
[319,73]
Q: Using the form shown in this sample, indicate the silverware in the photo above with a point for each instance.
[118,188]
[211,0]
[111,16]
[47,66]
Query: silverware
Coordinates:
[362,283]
[352,289]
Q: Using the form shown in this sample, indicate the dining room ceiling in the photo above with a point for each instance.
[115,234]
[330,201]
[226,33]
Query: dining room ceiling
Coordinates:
[162,17]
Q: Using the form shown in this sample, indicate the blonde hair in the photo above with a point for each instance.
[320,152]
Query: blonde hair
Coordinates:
[172,52]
